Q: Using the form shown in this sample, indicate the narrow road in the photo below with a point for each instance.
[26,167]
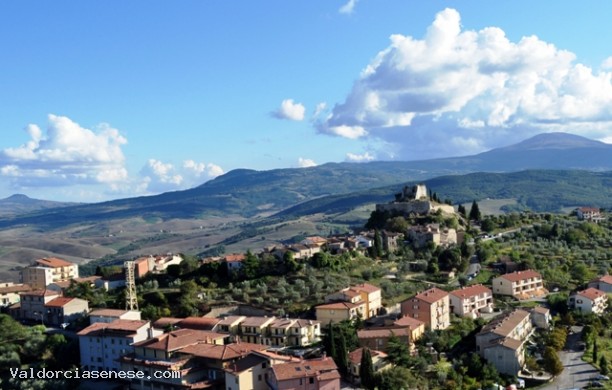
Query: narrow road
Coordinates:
[576,373]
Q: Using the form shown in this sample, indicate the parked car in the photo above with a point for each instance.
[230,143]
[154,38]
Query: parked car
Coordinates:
[602,377]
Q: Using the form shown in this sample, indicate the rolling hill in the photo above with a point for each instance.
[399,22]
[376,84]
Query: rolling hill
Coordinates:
[248,193]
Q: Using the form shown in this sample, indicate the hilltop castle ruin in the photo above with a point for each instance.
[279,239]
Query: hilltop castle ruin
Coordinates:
[413,200]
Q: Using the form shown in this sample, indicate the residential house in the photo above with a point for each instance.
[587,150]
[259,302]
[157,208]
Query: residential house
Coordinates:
[541,318]
[234,262]
[251,372]
[293,332]
[379,362]
[230,324]
[365,292]
[603,283]
[65,284]
[31,305]
[471,301]
[9,293]
[416,327]
[64,310]
[431,306]
[588,301]
[315,374]
[103,343]
[110,315]
[391,241]
[255,329]
[502,341]
[314,240]
[421,235]
[340,311]
[378,338]
[48,270]
[199,361]
[520,285]
[111,282]
[592,214]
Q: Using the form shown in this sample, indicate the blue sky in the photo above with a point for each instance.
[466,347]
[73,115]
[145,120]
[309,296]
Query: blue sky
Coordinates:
[103,100]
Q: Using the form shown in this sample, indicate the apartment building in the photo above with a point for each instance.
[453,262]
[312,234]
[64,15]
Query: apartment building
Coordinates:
[502,341]
[471,301]
[316,374]
[378,361]
[520,285]
[339,311]
[48,307]
[9,293]
[378,338]
[255,329]
[110,315]
[102,344]
[602,283]
[49,270]
[431,306]
[365,292]
[588,301]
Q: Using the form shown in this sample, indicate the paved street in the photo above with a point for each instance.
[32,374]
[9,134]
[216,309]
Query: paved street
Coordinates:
[577,373]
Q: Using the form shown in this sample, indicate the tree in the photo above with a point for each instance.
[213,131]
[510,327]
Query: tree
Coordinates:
[342,352]
[595,350]
[552,363]
[366,370]
[378,245]
[557,338]
[461,210]
[398,352]
[603,365]
[397,378]
[475,212]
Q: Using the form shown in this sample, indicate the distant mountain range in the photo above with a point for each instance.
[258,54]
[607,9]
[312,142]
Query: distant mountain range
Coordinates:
[20,204]
[248,193]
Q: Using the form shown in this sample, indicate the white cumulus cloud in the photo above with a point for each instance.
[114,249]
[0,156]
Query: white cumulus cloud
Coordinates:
[353,157]
[348,7]
[457,91]
[66,153]
[306,163]
[159,176]
[290,110]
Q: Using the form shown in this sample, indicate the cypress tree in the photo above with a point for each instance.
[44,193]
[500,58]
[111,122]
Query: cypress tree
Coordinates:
[475,212]
[331,342]
[366,370]
[342,354]
[603,365]
[595,351]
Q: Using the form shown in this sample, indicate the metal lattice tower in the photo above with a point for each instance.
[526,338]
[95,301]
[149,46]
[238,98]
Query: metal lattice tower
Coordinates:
[131,300]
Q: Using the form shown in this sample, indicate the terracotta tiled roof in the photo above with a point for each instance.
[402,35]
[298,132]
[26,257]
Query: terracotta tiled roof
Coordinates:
[521,275]
[282,323]
[257,321]
[541,310]
[117,326]
[432,295]
[41,293]
[306,368]
[179,339]
[163,322]
[411,323]
[340,306]
[382,332]
[108,312]
[222,352]
[606,279]
[591,293]
[15,289]
[53,262]
[355,356]
[237,257]
[366,287]
[505,324]
[300,323]
[231,320]
[200,323]
[59,302]
[471,291]
[249,361]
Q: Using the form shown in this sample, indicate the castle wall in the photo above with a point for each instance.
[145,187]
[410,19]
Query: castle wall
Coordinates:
[416,207]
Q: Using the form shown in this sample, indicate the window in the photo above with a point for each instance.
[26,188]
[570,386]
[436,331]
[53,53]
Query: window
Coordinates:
[264,365]
[311,380]
[259,377]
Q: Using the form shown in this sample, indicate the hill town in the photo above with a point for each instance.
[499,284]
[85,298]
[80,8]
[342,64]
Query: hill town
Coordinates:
[426,295]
